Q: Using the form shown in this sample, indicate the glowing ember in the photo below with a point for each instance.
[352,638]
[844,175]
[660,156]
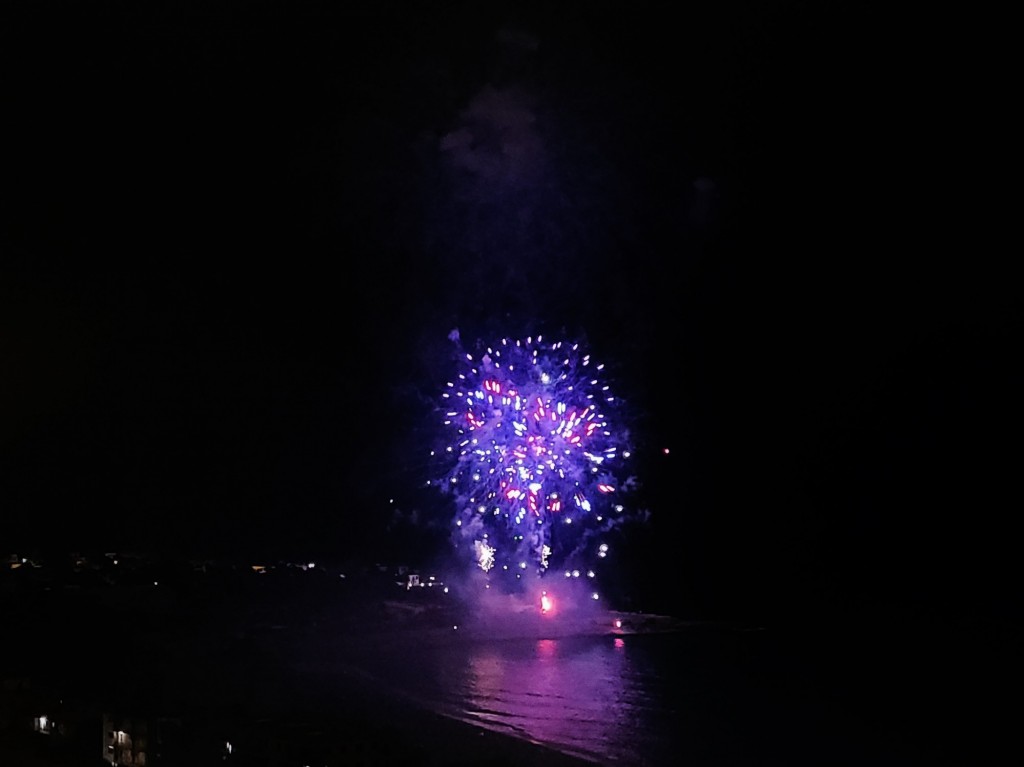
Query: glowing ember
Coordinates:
[545,603]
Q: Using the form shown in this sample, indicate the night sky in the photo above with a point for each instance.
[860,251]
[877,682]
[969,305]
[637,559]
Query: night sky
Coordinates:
[235,239]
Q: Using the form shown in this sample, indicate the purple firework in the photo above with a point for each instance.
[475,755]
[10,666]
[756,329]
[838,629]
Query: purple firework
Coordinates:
[536,462]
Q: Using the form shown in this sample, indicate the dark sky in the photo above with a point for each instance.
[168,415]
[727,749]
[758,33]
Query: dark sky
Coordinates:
[235,238]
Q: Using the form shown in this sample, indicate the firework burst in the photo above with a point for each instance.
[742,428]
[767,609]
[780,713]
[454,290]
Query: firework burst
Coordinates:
[536,458]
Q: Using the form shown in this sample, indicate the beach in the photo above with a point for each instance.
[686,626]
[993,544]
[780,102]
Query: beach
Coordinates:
[223,670]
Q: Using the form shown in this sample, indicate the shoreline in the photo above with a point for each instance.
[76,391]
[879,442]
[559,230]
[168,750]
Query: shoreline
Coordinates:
[351,719]
[262,692]
[240,666]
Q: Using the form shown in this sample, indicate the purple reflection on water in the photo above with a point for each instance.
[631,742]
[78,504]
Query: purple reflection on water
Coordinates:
[579,695]
[700,695]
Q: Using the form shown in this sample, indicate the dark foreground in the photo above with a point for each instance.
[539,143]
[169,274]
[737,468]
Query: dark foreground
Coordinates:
[195,668]
[189,666]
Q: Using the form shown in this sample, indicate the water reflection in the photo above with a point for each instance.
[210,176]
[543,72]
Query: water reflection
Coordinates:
[579,695]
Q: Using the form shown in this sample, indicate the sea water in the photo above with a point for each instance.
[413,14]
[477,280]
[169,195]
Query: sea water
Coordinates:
[699,696]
